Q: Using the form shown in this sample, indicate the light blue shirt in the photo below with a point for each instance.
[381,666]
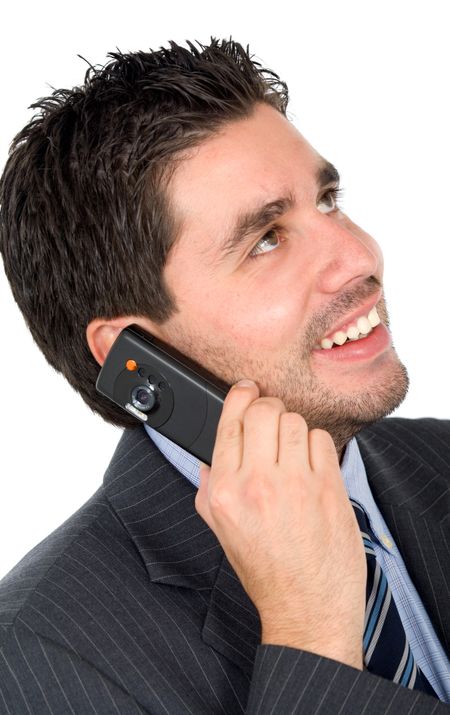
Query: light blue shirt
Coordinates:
[425,646]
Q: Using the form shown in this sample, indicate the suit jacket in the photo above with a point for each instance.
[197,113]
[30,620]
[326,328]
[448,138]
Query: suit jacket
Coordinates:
[132,607]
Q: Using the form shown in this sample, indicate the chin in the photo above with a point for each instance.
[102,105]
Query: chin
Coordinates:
[351,413]
[343,410]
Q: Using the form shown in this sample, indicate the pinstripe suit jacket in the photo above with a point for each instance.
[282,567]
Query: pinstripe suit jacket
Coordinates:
[132,607]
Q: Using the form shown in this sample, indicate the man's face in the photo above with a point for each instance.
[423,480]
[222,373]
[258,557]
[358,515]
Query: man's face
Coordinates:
[260,309]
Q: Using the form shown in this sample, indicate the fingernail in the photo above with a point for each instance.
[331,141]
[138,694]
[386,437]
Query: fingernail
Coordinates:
[244,383]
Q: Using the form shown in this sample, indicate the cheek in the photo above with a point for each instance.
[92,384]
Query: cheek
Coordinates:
[254,317]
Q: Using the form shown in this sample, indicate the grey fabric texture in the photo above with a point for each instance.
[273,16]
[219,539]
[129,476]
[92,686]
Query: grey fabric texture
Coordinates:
[132,607]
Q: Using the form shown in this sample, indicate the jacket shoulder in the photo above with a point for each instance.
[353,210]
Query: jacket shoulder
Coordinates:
[29,574]
[407,462]
[427,438]
[418,425]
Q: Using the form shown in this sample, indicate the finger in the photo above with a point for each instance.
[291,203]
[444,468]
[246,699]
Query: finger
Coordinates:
[261,427]
[293,443]
[322,452]
[227,454]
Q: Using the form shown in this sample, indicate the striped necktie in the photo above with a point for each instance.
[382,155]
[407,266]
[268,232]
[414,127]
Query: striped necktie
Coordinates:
[386,649]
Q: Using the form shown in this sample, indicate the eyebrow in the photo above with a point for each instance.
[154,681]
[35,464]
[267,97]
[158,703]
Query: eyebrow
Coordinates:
[250,221]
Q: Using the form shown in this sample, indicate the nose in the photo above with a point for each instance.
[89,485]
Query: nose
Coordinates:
[347,254]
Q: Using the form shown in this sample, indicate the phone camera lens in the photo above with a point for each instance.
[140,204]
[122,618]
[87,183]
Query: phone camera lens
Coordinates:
[143,397]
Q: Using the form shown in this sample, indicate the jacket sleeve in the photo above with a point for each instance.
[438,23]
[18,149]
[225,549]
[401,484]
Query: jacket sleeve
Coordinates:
[286,680]
[38,676]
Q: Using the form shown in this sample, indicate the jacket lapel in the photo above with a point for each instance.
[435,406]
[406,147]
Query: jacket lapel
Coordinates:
[156,506]
[232,625]
[414,499]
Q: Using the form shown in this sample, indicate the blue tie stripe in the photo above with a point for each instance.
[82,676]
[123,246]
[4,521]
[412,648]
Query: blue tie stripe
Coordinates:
[382,588]
[368,545]
[408,671]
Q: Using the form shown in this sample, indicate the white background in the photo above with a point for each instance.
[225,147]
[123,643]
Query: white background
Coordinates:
[369,86]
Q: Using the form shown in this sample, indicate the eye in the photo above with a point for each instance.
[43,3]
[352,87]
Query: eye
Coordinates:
[330,200]
[266,243]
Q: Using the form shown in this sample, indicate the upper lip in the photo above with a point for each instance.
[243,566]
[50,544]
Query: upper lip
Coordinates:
[351,319]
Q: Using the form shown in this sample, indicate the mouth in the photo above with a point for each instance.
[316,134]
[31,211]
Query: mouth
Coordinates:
[356,328]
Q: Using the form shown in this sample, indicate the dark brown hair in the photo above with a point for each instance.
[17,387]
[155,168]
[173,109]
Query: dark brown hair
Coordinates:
[85,223]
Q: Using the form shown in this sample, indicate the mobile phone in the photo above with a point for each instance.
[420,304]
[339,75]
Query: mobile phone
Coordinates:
[164,389]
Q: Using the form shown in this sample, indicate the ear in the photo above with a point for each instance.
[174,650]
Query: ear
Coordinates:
[101,333]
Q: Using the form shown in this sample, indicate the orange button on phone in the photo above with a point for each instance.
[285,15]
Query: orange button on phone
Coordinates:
[131,365]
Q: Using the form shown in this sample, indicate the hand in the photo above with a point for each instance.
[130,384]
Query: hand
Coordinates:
[275,498]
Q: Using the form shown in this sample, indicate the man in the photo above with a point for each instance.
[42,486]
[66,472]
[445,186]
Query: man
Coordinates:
[172,192]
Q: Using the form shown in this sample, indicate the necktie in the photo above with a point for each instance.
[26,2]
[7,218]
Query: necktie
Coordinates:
[386,648]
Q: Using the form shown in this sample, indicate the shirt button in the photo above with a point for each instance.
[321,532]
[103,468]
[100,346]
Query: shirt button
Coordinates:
[386,541]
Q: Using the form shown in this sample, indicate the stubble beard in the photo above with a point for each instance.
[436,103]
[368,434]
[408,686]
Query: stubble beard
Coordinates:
[342,415]
[292,379]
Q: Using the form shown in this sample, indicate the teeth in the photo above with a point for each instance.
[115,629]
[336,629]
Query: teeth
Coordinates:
[353,332]
[363,326]
[339,338]
[374,318]
[326,344]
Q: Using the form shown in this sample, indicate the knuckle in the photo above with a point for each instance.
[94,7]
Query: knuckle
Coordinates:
[230,431]
[221,499]
[293,420]
[293,427]
[265,406]
[257,490]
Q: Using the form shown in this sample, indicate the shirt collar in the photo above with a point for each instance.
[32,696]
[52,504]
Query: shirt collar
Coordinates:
[352,470]
[189,466]
[181,459]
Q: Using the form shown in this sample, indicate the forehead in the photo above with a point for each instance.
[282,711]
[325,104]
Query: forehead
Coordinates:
[222,185]
[246,162]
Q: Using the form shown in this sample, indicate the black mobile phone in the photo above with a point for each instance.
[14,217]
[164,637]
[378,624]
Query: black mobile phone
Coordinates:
[164,389]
